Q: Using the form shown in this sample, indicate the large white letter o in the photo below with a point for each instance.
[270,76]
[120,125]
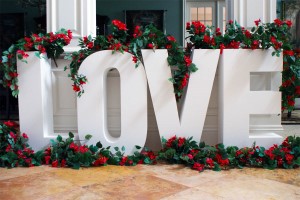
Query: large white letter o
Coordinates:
[92,112]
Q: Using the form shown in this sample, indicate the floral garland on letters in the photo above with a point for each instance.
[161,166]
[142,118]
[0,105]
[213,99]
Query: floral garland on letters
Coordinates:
[49,44]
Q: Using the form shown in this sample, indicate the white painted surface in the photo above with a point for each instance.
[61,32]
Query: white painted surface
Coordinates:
[190,122]
[246,11]
[35,100]
[64,99]
[237,102]
[92,106]
[77,15]
[258,120]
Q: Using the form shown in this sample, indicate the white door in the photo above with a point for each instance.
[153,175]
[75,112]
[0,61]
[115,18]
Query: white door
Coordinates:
[210,13]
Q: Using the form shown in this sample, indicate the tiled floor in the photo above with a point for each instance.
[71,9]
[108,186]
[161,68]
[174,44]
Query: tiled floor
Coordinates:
[148,182]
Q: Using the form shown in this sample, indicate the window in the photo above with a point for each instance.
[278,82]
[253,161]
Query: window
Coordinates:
[210,13]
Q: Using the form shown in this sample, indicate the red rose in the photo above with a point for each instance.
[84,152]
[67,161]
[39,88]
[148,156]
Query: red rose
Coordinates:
[85,39]
[8,148]
[140,162]
[198,166]
[48,151]
[230,22]
[83,149]
[170,141]
[24,135]
[270,154]
[130,162]
[103,160]
[234,44]
[151,155]
[210,162]
[47,159]
[55,163]
[248,34]
[90,45]
[279,162]
[63,163]
[81,82]
[289,158]
[13,74]
[70,34]
[76,88]
[119,25]
[150,45]
[137,32]
[291,102]
[123,161]
[255,44]
[187,60]
[12,135]
[41,49]
[171,38]
[73,146]
[206,39]
[222,46]
[134,59]
[9,123]
[257,22]
[188,25]
[289,23]
[297,90]
[288,52]
[278,22]
[181,141]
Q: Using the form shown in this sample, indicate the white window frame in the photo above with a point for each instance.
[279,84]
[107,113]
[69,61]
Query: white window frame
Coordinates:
[217,9]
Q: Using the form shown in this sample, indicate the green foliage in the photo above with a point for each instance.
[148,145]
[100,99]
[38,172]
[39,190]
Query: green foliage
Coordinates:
[66,152]
[14,149]
[275,35]
[48,45]
[200,157]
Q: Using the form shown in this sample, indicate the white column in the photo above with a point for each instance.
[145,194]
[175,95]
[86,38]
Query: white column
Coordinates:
[77,15]
[246,11]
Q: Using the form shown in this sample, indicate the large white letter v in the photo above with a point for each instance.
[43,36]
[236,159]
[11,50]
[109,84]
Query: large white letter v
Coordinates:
[197,98]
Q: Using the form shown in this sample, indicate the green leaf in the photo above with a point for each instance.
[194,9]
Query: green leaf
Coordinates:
[297,161]
[147,160]
[4,59]
[71,135]
[139,43]
[137,147]
[88,137]
[37,54]
[99,145]
[163,140]
[217,167]
[116,148]
[76,166]
[52,142]
[59,138]
[11,49]
[123,148]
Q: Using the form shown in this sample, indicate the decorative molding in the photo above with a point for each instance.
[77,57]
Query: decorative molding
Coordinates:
[77,15]
[246,11]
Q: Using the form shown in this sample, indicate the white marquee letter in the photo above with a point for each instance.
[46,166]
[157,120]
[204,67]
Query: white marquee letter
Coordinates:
[197,98]
[237,102]
[92,117]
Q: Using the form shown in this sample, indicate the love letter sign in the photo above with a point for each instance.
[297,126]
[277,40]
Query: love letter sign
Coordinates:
[236,101]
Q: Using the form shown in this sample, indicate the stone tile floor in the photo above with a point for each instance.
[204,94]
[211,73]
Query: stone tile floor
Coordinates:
[150,182]
[159,181]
